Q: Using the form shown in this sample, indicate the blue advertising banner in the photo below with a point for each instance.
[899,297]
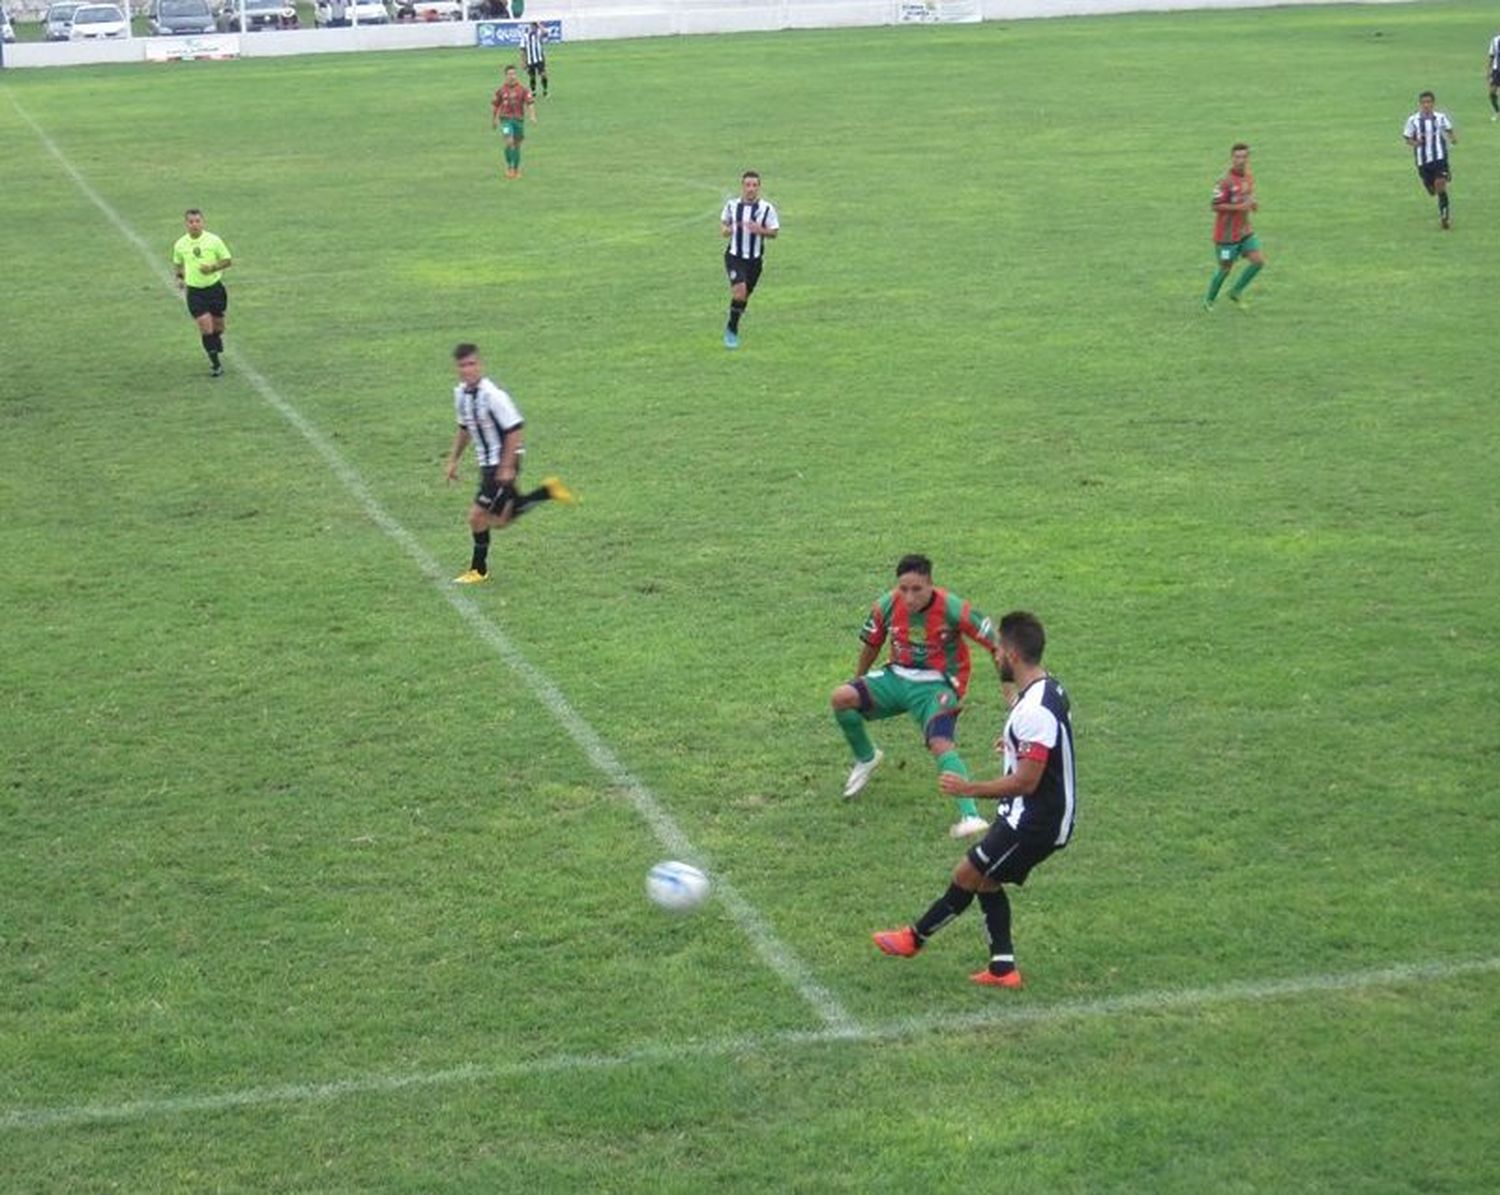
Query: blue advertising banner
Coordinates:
[507,34]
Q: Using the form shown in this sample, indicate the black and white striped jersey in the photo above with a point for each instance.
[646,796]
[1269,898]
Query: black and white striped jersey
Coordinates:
[738,213]
[1430,131]
[489,414]
[1495,54]
[1040,727]
[533,45]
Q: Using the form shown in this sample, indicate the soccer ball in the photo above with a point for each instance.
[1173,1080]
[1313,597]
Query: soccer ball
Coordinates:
[676,887]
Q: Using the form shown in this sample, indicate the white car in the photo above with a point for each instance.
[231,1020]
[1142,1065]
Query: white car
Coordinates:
[7,32]
[356,12]
[95,21]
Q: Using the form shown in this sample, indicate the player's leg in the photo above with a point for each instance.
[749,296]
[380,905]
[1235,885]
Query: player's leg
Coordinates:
[1224,256]
[1257,262]
[868,698]
[520,136]
[479,529]
[1495,96]
[1440,185]
[546,86]
[939,718]
[739,295]
[510,149]
[967,882]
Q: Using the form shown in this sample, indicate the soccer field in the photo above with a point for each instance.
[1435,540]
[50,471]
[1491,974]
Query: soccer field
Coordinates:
[322,875]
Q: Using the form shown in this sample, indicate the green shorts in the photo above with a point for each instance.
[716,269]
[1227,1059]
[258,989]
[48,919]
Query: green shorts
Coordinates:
[1230,251]
[889,694]
[514,129]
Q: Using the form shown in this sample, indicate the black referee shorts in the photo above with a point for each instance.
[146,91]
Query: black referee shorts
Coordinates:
[1009,855]
[207,300]
[743,269]
[1430,172]
[493,496]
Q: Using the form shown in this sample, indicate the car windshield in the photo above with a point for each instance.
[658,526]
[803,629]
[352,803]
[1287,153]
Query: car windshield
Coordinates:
[184,8]
[96,16]
[260,5]
[61,12]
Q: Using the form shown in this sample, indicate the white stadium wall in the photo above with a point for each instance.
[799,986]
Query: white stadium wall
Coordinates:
[591,20]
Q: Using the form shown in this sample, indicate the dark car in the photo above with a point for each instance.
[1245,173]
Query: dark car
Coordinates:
[259,14]
[59,21]
[167,17]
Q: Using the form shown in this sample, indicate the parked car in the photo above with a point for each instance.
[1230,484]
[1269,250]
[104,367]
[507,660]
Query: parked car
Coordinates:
[259,14]
[59,19]
[96,22]
[168,17]
[362,12]
[431,10]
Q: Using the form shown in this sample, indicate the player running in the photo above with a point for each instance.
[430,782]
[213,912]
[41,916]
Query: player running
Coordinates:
[1234,200]
[1429,133]
[926,678]
[1038,802]
[488,416]
[1492,70]
[508,110]
[747,223]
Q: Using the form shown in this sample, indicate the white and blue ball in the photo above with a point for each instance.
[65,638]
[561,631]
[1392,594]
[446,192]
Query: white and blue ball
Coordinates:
[676,887]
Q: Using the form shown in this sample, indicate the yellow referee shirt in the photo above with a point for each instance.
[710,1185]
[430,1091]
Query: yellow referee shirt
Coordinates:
[191,253]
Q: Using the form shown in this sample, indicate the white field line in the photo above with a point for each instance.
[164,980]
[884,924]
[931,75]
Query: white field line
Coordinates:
[1003,1016]
[772,950]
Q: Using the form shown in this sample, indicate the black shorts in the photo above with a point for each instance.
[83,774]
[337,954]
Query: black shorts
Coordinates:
[1009,855]
[493,496]
[1430,172]
[743,269]
[207,300]
[1495,78]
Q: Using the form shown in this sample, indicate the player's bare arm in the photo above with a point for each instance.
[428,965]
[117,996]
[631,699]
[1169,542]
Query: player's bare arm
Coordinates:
[760,230]
[867,656]
[514,442]
[1020,783]
[460,442]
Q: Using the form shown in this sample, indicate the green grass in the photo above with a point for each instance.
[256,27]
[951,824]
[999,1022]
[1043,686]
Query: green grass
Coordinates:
[274,814]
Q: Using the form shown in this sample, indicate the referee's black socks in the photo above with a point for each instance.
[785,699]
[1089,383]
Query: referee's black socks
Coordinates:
[478,562]
[213,346]
[944,909]
[736,309]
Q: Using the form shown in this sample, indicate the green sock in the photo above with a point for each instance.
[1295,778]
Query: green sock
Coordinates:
[1245,279]
[517,152]
[951,761]
[852,723]
[1218,281]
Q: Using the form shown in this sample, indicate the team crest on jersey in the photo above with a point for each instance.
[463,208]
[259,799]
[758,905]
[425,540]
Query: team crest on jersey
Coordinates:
[945,699]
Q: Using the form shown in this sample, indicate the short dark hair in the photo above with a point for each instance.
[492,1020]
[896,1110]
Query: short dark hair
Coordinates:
[913,564]
[1239,145]
[1023,631]
[1426,95]
[510,66]
[192,211]
[465,350]
[749,174]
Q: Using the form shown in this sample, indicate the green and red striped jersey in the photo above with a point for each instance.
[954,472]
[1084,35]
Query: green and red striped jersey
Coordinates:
[1233,226]
[932,640]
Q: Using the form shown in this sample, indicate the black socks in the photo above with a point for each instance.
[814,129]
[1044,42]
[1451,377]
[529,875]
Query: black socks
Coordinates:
[736,309]
[944,909]
[996,906]
[481,552]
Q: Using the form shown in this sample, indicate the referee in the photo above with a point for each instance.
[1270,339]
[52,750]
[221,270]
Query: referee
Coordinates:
[747,223]
[199,257]
[1429,133]
[534,51]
